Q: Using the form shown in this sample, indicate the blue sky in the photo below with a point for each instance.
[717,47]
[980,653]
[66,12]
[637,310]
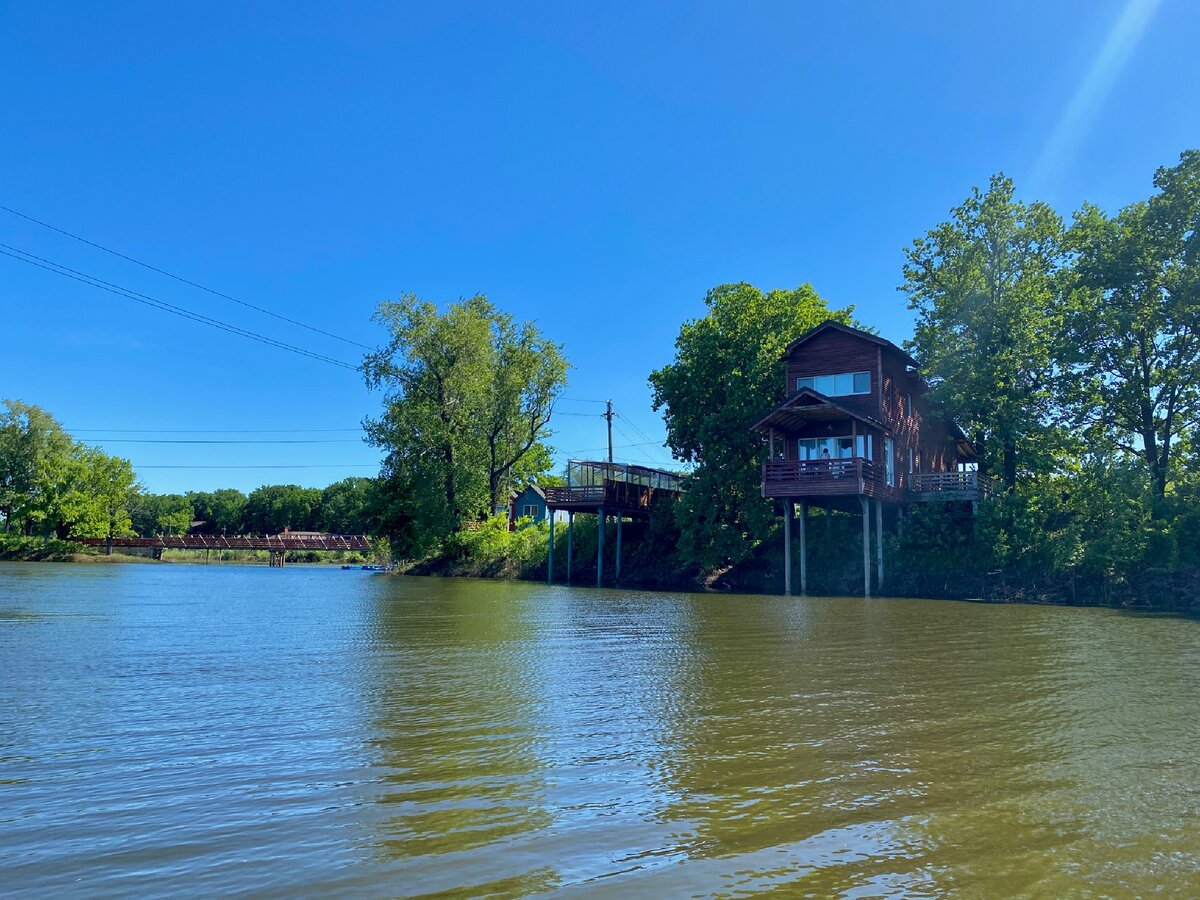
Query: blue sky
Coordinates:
[595,169]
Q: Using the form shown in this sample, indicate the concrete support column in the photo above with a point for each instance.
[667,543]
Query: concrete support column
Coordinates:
[788,509]
[550,553]
[879,541]
[803,548]
[600,520]
[866,517]
[570,528]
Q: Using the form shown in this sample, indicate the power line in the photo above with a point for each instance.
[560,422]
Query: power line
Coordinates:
[213,430]
[160,441]
[146,300]
[329,466]
[181,279]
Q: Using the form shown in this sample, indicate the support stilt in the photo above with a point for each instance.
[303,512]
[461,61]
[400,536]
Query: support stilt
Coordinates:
[600,520]
[879,541]
[803,548]
[866,517]
[617,575]
[550,553]
[788,510]
[570,528]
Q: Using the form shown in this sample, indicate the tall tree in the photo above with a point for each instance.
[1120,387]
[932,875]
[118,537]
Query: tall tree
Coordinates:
[1134,340]
[467,405]
[985,285]
[274,507]
[35,453]
[727,372]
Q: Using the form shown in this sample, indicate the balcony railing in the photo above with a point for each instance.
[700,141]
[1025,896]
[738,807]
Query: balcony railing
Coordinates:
[826,477]
[951,483]
[819,477]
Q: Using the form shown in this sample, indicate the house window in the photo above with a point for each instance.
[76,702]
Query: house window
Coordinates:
[889,450]
[844,447]
[844,384]
[908,404]
[531,511]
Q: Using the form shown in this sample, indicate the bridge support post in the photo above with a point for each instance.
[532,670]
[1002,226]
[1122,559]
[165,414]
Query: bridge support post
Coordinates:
[570,528]
[550,553]
[600,522]
[789,507]
[617,577]
[866,517]
[803,548]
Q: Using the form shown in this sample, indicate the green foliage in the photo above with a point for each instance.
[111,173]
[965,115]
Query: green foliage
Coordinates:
[50,483]
[494,550]
[1132,356]
[274,507]
[727,372]
[161,514]
[985,286]
[222,511]
[346,506]
[468,399]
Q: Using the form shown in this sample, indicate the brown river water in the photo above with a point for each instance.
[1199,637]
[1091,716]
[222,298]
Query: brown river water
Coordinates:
[235,730]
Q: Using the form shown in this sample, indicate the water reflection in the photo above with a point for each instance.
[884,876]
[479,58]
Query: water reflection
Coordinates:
[174,730]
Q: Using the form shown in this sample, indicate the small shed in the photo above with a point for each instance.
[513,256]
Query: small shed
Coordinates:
[527,503]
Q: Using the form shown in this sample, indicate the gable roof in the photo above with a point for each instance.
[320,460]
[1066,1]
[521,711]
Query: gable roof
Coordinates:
[791,413]
[530,487]
[830,325]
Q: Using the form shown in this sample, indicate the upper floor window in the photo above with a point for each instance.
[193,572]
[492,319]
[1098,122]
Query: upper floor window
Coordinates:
[908,404]
[842,385]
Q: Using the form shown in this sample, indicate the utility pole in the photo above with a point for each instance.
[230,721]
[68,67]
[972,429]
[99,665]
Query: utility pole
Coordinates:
[608,414]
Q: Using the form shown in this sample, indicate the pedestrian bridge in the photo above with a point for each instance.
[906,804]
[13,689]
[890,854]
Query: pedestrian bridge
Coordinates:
[278,544]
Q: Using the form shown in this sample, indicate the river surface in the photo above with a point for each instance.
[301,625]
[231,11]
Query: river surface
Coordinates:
[224,730]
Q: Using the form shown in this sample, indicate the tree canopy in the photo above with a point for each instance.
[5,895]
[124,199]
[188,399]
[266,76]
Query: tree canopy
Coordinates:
[468,397]
[727,371]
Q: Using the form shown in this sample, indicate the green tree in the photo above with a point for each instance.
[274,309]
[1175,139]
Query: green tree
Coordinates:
[162,514]
[346,506]
[96,496]
[273,507]
[467,405]
[35,454]
[985,286]
[223,511]
[727,372]
[1133,361]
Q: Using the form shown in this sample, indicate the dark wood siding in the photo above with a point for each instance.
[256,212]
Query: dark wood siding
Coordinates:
[832,353]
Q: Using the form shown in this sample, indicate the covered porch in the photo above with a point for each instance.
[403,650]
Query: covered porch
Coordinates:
[819,448]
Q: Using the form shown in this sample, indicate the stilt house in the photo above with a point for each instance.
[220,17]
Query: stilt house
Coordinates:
[856,433]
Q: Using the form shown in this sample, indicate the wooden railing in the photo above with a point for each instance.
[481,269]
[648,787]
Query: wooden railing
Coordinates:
[584,494]
[792,477]
[239,542]
[801,478]
[951,482]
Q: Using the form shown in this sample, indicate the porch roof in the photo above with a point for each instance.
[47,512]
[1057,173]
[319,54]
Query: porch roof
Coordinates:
[807,405]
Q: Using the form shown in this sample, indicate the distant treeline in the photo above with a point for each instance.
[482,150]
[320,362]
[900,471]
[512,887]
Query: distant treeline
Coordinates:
[345,507]
[54,486]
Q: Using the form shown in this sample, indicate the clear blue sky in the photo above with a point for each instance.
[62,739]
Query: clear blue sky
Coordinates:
[596,169]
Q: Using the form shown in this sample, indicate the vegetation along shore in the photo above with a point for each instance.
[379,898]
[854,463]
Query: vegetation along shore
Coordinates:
[1065,356]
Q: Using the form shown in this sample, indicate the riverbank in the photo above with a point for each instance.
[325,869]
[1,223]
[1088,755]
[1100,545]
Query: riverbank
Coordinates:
[918,563]
[20,548]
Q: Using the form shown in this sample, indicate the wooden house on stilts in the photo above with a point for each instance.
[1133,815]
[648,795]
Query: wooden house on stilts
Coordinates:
[856,434]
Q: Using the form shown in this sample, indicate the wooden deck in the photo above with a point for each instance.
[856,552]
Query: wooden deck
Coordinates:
[947,486]
[828,478]
[614,497]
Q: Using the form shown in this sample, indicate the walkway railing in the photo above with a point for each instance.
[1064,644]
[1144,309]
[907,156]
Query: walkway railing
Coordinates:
[951,482]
